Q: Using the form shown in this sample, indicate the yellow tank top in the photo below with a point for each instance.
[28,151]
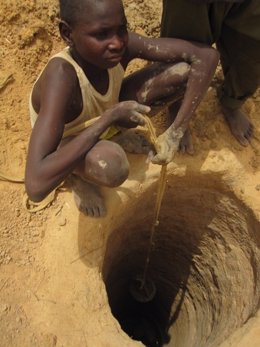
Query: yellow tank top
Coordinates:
[94,103]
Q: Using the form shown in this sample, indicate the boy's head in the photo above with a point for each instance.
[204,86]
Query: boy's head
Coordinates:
[96,31]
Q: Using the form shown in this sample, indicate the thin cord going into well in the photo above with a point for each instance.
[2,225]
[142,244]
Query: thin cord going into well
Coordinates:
[160,193]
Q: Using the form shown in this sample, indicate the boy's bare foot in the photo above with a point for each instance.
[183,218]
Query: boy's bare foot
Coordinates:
[186,145]
[87,197]
[239,125]
[133,141]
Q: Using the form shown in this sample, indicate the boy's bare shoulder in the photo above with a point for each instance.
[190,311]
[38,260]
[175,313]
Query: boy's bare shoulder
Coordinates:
[58,80]
[59,69]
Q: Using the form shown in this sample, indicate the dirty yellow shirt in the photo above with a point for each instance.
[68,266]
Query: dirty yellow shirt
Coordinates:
[94,103]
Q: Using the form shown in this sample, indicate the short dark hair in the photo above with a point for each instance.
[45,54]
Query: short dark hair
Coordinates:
[70,10]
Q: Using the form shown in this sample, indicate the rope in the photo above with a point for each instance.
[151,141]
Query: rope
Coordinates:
[158,203]
[29,205]
[9,178]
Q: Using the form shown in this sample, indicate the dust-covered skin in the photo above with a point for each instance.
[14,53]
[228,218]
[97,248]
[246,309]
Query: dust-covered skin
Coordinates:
[185,145]
[168,144]
[169,79]
[172,80]
[166,84]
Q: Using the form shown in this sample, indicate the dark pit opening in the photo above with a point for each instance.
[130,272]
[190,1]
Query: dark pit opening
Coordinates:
[204,264]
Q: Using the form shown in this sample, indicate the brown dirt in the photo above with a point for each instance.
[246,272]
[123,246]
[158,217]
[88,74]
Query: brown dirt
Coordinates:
[51,292]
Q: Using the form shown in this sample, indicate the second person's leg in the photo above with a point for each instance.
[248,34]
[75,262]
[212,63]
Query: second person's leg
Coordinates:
[240,59]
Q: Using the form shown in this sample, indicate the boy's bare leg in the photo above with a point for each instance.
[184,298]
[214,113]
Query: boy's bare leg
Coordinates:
[105,164]
[239,124]
[87,195]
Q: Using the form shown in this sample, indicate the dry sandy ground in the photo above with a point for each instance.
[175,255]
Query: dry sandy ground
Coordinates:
[51,291]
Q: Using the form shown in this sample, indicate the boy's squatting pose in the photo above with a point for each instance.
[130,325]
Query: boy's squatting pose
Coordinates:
[86,80]
[234,25]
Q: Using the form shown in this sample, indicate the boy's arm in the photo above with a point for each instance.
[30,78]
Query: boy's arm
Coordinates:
[203,61]
[48,163]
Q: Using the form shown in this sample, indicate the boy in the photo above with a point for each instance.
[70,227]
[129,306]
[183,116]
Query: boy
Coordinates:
[234,25]
[85,81]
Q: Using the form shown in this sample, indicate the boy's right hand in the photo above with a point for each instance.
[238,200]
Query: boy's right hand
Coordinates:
[129,114]
[168,144]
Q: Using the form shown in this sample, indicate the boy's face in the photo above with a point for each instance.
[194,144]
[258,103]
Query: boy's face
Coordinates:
[100,37]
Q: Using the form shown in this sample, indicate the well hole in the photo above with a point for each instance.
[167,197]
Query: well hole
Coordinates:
[204,265]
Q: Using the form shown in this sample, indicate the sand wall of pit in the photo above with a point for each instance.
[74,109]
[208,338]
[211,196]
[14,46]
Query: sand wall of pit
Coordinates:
[204,263]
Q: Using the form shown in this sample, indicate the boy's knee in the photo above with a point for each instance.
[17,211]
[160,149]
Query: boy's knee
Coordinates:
[117,166]
[116,174]
[108,164]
